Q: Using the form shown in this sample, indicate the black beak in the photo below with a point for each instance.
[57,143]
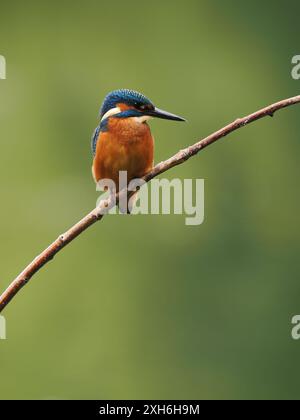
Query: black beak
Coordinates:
[159,113]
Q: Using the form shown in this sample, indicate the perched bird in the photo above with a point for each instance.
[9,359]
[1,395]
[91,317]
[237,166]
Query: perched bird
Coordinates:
[123,140]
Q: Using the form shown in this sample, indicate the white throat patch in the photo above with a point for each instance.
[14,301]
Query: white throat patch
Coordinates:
[141,120]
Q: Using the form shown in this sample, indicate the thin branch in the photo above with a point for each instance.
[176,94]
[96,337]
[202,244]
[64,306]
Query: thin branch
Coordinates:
[98,213]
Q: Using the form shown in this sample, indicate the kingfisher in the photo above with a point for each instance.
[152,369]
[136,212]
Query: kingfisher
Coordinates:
[123,140]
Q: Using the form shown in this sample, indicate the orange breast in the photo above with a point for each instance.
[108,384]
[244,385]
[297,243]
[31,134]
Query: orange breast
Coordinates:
[126,146]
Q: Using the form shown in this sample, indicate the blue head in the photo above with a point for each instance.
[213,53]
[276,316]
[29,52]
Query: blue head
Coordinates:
[125,103]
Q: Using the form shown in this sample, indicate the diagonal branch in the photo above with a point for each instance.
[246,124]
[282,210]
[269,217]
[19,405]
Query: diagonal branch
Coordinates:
[98,213]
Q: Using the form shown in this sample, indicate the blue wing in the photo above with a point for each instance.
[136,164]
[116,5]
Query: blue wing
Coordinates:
[103,126]
[95,139]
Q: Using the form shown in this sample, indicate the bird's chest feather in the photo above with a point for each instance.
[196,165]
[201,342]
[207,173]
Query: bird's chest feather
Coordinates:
[126,146]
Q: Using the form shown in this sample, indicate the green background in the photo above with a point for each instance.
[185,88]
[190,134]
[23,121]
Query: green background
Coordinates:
[146,307]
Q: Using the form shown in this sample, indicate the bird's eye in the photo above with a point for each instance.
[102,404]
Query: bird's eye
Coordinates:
[146,107]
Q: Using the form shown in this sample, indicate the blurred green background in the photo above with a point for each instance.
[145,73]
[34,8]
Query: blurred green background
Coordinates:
[145,307]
